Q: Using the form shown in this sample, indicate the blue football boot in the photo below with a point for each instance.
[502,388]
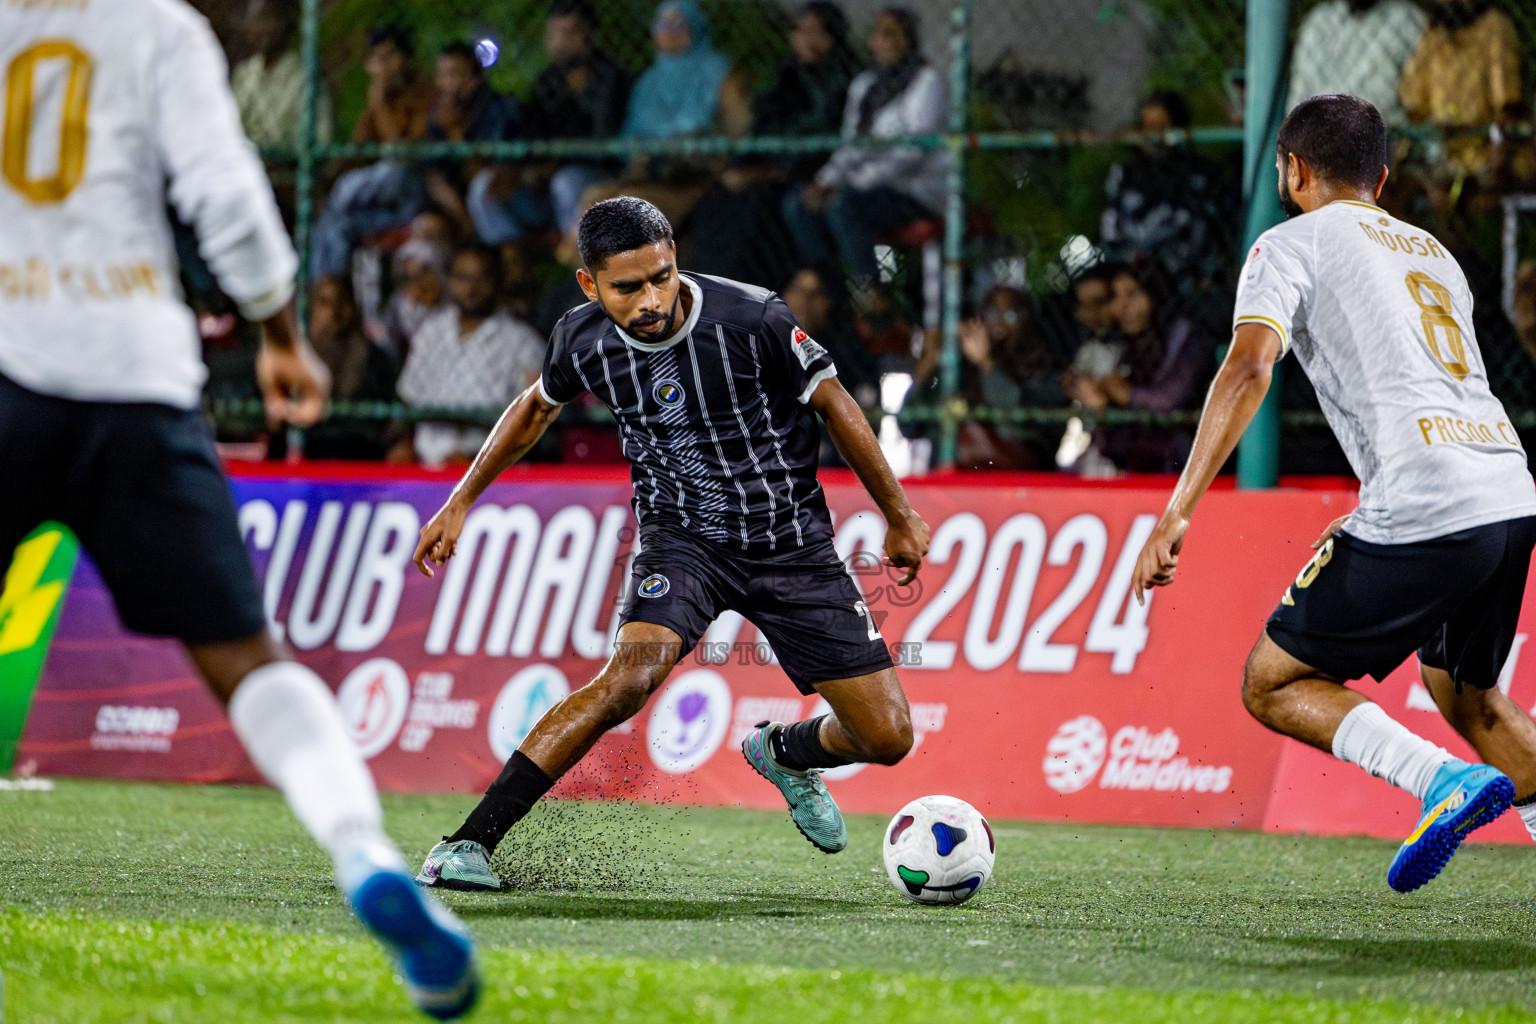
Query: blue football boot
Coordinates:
[1461,797]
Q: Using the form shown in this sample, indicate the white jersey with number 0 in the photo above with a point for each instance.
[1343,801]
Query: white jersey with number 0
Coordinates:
[1380,317]
[111,109]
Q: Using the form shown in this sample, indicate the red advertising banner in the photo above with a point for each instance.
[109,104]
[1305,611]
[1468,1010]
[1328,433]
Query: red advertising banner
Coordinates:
[1039,688]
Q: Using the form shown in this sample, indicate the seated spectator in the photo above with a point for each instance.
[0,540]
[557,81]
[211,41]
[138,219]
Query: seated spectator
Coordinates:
[812,301]
[269,84]
[862,192]
[1095,353]
[738,227]
[385,195]
[581,94]
[360,372]
[1006,366]
[1168,203]
[418,271]
[466,110]
[1357,47]
[470,355]
[1464,75]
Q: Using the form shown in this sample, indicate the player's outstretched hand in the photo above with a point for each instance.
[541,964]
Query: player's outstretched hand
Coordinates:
[294,384]
[1159,556]
[1333,528]
[440,537]
[906,542]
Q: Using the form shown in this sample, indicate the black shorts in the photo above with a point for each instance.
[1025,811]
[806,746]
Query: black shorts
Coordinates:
[140,485]
[803,600]
[1360,609]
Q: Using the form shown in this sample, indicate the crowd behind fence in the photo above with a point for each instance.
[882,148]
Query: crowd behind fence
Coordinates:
[1020,240]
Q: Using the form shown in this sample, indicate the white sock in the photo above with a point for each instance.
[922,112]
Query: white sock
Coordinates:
[1369,738]
[1527,809]
[292,728]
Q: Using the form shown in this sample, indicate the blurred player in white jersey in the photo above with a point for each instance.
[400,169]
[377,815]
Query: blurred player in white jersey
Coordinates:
[1434,560]
[110,108]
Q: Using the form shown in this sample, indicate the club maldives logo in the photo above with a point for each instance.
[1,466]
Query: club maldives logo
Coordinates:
[655,585]
[522,702]
[669,393]
[373,700]
[689,721]
[1136,758]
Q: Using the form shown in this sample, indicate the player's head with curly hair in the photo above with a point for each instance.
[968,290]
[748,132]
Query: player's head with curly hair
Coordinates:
[1341,139]
[629,266]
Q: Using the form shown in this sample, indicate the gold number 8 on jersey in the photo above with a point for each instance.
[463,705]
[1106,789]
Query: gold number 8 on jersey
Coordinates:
[20,82]
[1434,300]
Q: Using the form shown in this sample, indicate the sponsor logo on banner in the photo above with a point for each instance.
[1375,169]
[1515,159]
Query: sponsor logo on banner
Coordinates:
[433,709]
[145,730]
[373,701]
[522,702]
[1135,759]
[690,721]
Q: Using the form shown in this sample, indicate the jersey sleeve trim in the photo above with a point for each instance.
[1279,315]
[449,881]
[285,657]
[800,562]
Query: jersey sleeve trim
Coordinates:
[810,388]
[545,394]
[1254,318]
[266,306]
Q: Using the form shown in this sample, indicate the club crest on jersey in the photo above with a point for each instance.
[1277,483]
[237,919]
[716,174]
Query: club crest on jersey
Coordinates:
[806,349]
[669,393]
[655,585]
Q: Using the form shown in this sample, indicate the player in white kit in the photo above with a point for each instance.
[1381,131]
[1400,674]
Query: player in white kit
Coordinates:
[110,108]
[1435,557]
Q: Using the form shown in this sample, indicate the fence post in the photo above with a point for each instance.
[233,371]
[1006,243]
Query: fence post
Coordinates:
[954,227]
[304,177]
[1258,453]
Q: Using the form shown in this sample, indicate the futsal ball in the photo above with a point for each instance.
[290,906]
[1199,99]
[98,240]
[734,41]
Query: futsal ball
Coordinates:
[938,849]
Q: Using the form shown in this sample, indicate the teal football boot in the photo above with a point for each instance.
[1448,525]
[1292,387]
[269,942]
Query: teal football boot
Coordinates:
[811,807]
[464,865]
[1461,797]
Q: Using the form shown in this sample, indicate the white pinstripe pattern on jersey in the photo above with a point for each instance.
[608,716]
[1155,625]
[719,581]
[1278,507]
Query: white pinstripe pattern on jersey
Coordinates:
[681,444]
[624,430]
[730,384]
[663,366]
[725,463]
[778,445]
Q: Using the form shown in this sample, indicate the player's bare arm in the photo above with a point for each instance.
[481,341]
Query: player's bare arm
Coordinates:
[518,430]
[294,383]
[1235,396]
[906,536]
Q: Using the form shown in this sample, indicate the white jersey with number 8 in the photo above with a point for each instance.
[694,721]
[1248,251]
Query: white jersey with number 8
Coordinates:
[110,109]
[1380,317]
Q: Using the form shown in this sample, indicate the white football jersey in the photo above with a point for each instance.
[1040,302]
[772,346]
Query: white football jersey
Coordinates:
[111,109]
[1380,317]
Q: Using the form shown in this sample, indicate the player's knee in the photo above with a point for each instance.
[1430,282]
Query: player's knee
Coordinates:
[892,742]
[1258,691]
[624,693]
[1474,711]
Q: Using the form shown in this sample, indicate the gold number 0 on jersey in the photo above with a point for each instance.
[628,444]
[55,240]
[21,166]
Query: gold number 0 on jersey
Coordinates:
[1434,300]
[20,79]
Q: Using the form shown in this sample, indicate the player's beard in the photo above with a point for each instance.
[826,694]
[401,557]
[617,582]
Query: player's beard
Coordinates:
[1287,202]
[668,320]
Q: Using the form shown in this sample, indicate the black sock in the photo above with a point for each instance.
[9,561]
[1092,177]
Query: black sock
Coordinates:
[1525,801]
[507,800]
[798,747]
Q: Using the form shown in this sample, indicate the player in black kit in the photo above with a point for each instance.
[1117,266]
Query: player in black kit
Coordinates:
[713,384]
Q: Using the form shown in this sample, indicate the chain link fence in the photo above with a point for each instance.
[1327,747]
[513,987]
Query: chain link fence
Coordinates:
[1059,293]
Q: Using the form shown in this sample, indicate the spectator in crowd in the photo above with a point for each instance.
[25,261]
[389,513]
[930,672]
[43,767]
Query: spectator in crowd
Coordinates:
[1166,202]
[269,84]
[466,110]
[1357,47]
[862,192]
[360,372]
[815,305]
[418,270]
[1097,352]
[470,355]
[385,195]
[1007,365]
[1464,75]
[580,94]
[738,227]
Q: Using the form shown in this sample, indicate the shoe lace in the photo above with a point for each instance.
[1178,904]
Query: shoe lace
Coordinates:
[810,791]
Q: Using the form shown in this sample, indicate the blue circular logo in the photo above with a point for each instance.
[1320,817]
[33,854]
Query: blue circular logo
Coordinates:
[654,585]
[669,393]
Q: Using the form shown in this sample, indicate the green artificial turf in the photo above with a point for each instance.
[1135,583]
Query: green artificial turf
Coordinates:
[121,900]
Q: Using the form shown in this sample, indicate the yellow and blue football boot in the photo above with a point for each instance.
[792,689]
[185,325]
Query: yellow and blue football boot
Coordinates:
[1461,797]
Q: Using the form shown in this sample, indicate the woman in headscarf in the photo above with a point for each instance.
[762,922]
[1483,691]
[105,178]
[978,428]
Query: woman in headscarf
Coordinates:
[864,191]
[809,92]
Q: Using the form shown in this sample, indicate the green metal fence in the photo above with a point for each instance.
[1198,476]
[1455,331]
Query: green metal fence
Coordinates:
[1041,93]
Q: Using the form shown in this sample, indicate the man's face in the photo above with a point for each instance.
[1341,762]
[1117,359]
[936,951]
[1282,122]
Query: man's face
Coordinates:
[1093,302]
[808,300]
[331,310]
[456,80]
[470,285]
[387,64]
[566,39]
[639,290]
[1154,118]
